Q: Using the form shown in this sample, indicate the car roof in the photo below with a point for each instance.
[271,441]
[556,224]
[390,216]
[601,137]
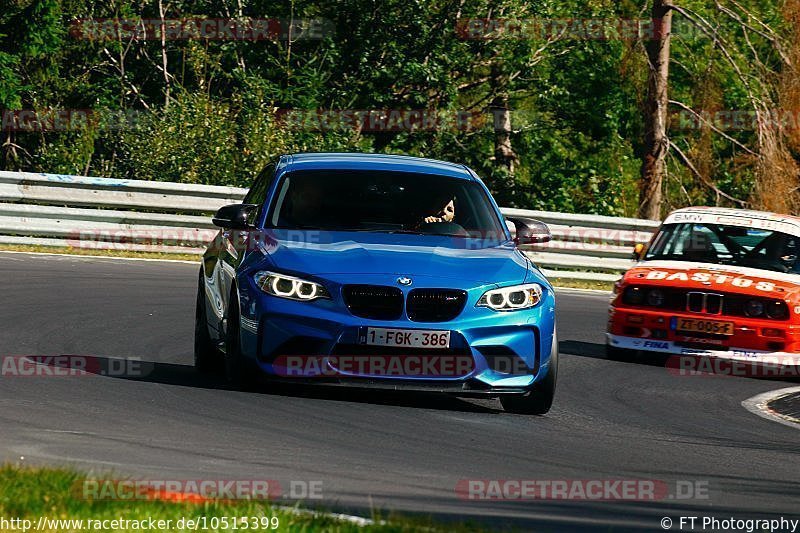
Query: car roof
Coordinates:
[362,161]
[732,212]
[736,217]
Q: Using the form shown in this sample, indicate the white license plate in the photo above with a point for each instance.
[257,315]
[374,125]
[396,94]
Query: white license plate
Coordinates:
[408,338]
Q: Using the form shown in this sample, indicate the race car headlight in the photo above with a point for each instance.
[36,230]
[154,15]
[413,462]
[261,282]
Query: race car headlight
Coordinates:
[512,298]
[633,296]
[777,309]
[284,286]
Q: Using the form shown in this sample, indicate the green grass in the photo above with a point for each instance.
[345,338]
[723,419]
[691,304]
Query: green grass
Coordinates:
[28,493]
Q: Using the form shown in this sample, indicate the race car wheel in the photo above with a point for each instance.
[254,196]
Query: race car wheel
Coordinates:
[238,372]
[207,359]
[539,400]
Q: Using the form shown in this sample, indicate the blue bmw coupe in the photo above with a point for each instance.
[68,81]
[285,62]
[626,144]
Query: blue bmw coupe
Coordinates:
[378,271]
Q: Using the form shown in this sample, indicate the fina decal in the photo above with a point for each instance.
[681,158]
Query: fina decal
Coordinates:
[705,277]
[656,344]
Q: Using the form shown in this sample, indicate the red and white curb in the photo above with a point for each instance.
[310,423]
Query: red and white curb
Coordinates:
[758,405]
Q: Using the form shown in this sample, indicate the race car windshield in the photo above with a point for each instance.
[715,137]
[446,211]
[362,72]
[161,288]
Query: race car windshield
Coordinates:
[391,202]
[727,245]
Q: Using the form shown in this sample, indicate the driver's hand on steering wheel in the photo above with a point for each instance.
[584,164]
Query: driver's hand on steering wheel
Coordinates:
[430,220]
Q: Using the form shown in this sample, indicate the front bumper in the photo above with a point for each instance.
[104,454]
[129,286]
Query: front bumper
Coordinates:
[777,358]
[658,326]
[508,352]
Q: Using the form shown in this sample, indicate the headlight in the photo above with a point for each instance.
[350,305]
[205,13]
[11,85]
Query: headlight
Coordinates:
[777,309]
[512,298]
[633,296]
[754,308]
[284,286]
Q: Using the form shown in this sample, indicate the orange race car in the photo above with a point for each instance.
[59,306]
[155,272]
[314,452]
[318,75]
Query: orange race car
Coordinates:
[722,283]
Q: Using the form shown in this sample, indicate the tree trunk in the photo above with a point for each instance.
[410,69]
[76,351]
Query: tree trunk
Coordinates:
[656,142]
[503,151]
[504,156]
[164,53]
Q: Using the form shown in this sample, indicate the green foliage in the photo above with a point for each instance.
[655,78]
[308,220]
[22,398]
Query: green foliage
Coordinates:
[215,117]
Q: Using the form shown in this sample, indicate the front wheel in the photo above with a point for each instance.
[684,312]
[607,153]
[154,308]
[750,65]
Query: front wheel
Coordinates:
[238,372]
[540,399]
[206,355]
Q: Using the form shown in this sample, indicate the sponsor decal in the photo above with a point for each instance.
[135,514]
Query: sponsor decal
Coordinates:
[709,278]
[783,224]
[687,217]
[657,345]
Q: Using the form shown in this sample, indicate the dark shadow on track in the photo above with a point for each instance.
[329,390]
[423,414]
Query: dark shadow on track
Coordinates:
[583,349]
[691,364]
[598,351]
[188,376]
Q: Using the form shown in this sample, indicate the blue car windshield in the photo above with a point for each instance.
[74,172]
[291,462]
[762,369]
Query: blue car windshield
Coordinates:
[383,201]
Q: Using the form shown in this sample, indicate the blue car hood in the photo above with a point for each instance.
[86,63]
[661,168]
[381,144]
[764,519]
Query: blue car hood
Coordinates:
[408,255]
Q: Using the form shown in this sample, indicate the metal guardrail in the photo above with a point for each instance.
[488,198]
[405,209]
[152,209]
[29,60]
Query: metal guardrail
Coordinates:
[103,213]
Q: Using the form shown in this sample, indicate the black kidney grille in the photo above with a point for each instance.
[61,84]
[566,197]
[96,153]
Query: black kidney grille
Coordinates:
[435,305]
[378,302]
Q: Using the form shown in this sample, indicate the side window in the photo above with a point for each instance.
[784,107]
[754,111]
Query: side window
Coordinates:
[258,192]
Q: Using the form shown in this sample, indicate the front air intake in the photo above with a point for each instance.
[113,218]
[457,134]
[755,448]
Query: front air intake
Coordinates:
[435,305]
[377,302]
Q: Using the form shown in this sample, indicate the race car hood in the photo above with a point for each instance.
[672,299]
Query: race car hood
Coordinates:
[706,276]
[374,253]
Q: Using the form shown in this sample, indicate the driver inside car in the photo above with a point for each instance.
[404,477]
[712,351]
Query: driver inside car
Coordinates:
[444,209]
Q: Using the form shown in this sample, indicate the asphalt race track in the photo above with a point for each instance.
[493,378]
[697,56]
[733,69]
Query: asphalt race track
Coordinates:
[611,420]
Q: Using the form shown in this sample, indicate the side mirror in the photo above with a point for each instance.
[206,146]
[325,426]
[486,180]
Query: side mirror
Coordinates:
[638,251]
[530,231]
[233,216]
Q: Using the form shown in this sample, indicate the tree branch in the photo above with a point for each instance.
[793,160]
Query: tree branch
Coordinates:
[711,126]
[702,178]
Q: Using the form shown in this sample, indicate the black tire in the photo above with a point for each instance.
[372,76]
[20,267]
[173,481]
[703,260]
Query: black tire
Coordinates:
[207,359]
[621,354]
[539,400]
[238,372]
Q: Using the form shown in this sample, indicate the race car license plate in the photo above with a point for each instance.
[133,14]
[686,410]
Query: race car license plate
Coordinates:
[693,325]
[407,338]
